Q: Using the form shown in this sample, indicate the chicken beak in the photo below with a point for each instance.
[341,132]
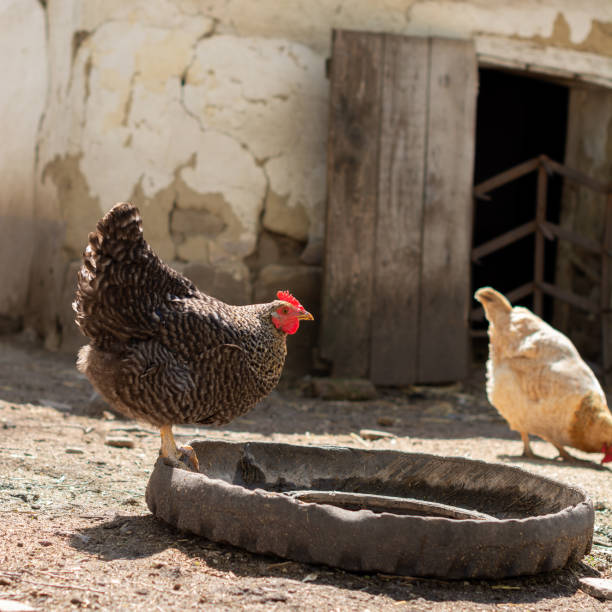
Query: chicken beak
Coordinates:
[305,316]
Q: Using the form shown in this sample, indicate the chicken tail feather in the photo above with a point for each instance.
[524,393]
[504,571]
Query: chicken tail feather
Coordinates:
[493,302]
[122,283]
[121,222]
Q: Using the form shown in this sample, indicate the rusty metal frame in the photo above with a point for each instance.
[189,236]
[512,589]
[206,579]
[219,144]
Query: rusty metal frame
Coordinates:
[545,230]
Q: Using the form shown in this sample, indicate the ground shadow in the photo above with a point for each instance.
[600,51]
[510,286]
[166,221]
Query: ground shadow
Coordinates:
[438,417]
[576,462]
[136,537]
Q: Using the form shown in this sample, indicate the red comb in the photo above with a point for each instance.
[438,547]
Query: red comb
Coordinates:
[287,297]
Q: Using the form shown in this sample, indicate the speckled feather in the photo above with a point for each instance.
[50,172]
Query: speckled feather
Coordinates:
[160,350]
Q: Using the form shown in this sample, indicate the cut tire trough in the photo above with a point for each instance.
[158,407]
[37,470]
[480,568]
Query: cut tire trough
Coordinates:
[376,510]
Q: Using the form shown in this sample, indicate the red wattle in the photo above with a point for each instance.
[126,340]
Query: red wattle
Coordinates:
[291,326]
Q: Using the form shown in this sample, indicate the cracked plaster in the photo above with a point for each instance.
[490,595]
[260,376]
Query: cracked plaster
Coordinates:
[137,133]
[221,106]
[239,86]
[272,95]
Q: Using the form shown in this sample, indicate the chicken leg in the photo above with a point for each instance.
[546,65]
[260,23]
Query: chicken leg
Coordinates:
[527,452]
[184,457]
[563,454]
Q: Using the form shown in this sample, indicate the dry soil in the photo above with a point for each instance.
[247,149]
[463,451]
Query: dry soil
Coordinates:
[75,531]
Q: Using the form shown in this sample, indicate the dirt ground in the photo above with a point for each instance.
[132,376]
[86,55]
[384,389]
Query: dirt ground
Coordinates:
[75,531]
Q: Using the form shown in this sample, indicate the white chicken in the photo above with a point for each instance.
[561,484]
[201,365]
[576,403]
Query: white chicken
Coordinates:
[539,383]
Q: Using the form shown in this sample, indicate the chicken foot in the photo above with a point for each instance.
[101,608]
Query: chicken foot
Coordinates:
[527,452]
[183,458]
[564,455]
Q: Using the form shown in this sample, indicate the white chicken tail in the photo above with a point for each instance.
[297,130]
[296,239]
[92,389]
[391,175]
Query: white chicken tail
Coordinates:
[493,302]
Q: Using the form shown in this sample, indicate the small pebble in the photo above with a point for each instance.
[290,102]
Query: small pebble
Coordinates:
[61,406]
[597,587]
[440,409]
[73,450]
[310,577]
[352,389]
[373,434]
[83,538]
[8,605]
[119,441]
[45,543]
[386,421]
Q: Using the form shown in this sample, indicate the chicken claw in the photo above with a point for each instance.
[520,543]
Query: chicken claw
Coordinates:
[565,456]
[188,458]
[183,458]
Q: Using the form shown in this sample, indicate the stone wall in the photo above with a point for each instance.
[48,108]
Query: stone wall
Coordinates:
[212,118]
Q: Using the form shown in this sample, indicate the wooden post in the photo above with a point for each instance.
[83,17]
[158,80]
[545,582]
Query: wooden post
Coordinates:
[397,276]
[352,181]
[445,298]
[538,271]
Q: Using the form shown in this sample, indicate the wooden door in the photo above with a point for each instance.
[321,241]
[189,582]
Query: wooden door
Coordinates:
[399,211]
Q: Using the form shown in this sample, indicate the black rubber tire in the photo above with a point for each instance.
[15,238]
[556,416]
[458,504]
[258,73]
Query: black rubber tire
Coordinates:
[534,524]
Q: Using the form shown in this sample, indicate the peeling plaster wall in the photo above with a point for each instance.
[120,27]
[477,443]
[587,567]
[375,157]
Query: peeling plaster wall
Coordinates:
[212,117]
[170,114]
[22,66]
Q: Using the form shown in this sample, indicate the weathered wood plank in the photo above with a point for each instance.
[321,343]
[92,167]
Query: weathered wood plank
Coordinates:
[557,231]
[576,176]
[506,177]
[583,209]
[538,260]
[570,298]
[394,358]
[447,229]
[504,240]
[352,179]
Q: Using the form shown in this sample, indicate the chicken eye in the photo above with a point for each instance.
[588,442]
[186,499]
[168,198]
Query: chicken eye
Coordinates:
[285,310]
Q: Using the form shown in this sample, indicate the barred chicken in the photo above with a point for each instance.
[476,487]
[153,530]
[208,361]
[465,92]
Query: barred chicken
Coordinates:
[538,382]
[162,351]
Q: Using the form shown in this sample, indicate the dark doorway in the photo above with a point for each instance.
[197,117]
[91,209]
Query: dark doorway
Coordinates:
[518,118]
